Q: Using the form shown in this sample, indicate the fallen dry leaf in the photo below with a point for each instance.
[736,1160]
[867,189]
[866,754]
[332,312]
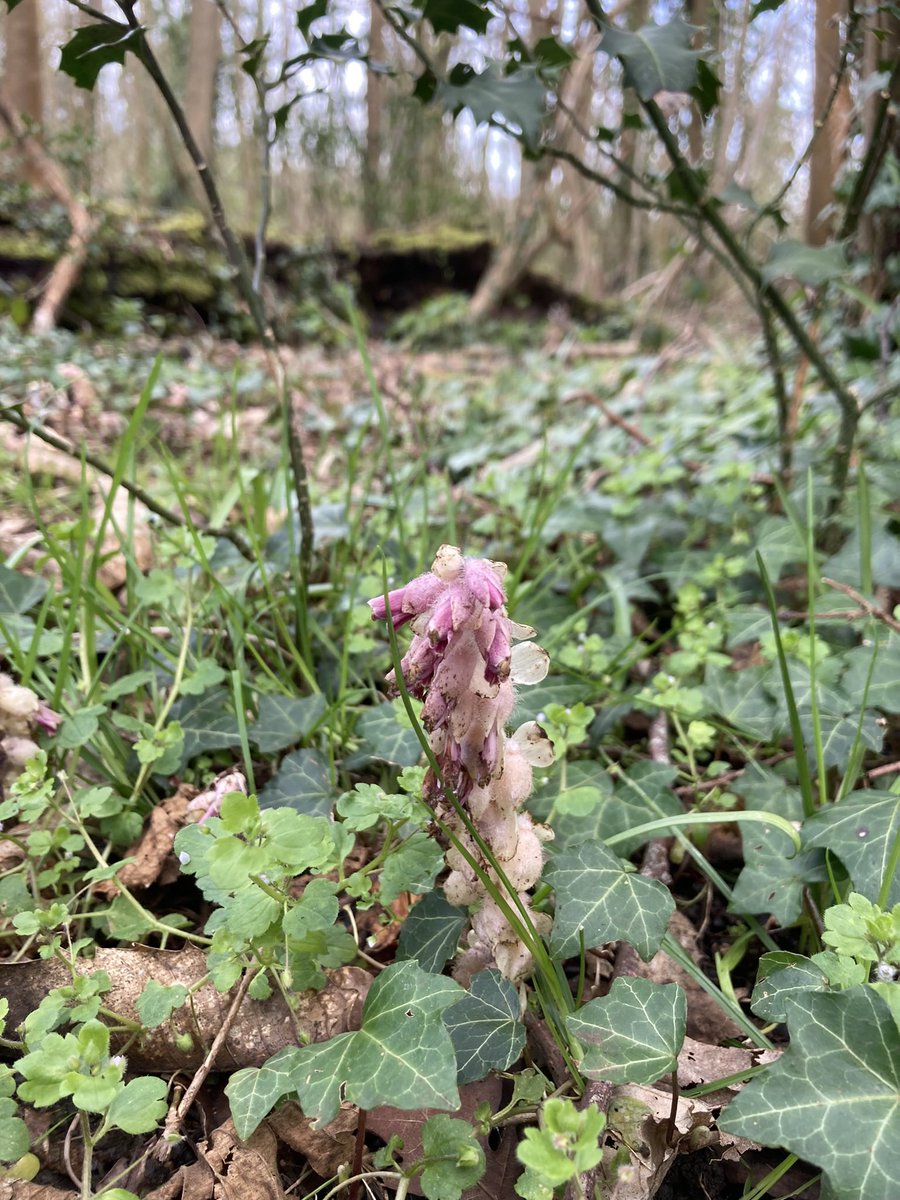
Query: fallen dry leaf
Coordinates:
[153,848]
[261,1026]
[326,1149]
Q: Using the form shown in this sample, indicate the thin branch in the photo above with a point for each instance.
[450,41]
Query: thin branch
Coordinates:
[867,606]
[165,514]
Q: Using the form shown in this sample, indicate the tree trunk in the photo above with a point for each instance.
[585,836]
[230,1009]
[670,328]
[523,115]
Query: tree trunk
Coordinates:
[23,85]
[371,180]
[204,49]
[47,173]
[828,151]
[879,231]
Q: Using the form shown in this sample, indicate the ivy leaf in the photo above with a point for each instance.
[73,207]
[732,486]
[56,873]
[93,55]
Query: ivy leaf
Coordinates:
[884,686]
[412,867]
[456,1160]
[518,99]
[774,987]
[485,1027]
[446,16]
[634,1033]
[254,1091]
[140,1105]
[431,932]
[92,47]
[657,58]
[742,699]
[302,782]
[208,723]
[832,1096]
[597,895]
[402,1055]
[861,831]
[19,592]
[384,739]
[773,877]
[285,720]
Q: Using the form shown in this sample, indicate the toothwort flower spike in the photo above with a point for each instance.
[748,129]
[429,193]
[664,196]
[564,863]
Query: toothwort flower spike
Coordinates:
[462,664]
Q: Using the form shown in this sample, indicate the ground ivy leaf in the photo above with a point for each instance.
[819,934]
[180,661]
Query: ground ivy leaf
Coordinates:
[303,783]
[412,867]
[657,58]
[431,932]
[402,1055]
[861,831]
[485,1027]
[285,720]
[457,1161]
[156,1003]
[597,895]
[773,876]
[140,1105]
[634,1033]
[832,1098]
[254,1091]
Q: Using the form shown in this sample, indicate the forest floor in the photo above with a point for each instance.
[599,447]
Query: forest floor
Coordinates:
[629,491]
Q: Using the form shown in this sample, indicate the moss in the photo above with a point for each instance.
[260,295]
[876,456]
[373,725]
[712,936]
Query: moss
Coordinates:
[145,281]
[186,222]
[31,246]
[435,239]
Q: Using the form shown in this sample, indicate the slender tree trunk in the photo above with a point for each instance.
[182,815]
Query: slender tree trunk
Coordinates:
[879,231]
[731,105]
[371,180]
[23,85]
[697,13]
[828,151]
[204,51]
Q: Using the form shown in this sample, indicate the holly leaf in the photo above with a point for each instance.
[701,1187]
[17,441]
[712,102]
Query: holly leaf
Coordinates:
[597,895]
[657,58]
[93,47]
[633,1034]
[431,932]
[402,1055]
[285,720]
[813,266]
[254,1091]
[862,831]
[832,1096]
[518,101]
[485,1027]
[446,16]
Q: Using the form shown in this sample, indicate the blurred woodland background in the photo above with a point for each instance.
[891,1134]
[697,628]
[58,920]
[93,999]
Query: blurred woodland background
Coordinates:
[354,157]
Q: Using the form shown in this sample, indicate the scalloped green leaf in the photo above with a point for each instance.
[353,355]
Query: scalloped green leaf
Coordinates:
[657,58]
[431,932]
[411,867]
[833,1098]
[402,1055]
[140,1105]
[597,895]
[633,1034]
[485,1027]
[861,831]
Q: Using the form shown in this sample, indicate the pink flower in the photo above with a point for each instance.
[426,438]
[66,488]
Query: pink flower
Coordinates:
[47,719]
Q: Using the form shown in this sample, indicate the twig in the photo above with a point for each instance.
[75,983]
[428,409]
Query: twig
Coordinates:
[176,1118]
[165,514]
[867,606]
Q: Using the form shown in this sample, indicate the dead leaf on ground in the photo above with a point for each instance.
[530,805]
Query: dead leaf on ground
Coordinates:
[17,1189]
[702,1063]
[260,1028]
[326,1149]
[386,1122]
[154,860]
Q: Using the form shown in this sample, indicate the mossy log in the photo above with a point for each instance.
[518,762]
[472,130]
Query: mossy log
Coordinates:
[170,269]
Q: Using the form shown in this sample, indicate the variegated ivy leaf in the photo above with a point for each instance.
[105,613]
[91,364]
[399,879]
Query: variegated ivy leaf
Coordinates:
[861,831]
[485,1027]
[633,1034]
